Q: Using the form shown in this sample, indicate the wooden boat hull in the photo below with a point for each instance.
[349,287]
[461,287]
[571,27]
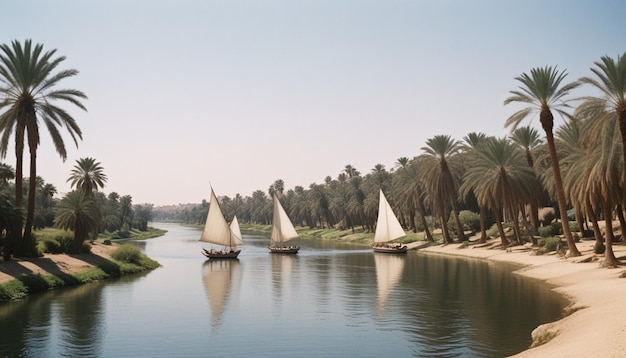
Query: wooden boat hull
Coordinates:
[284,250]
[213,254]
[390,249]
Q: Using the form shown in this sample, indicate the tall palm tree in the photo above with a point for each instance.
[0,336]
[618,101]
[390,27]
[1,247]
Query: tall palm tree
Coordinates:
[440,174]
[28,84]
[543,91]
[87,176]
[79,213]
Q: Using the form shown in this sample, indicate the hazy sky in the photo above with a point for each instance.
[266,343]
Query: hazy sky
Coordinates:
[242,93]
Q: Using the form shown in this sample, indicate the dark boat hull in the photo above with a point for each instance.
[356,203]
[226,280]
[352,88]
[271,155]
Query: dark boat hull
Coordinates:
[390,249]
[214,254]
[284,250]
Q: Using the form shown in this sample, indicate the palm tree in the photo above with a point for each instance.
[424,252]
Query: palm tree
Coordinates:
[28,83]
[500,179]
[410,194]
[79,213]
[277,188]
[473,141]
[528,139]
[439,175]
[606,175]
[87,176]
[543,92]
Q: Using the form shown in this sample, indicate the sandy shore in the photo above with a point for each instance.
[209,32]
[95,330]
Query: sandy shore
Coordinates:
[597,326]
[53,264]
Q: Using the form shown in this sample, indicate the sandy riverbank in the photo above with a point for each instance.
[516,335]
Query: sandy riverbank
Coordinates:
[53,264]
[597,326]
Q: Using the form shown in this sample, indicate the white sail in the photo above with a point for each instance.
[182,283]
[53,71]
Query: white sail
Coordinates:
[216,229]
[282,228]
[235,232]
[387,227]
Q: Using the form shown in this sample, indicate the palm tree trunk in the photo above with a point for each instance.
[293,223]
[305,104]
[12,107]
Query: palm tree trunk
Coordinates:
[560,192]
[422,212]
[32,188]
[609,256]
[622,222]
[516,230]
[598,248]
[483,229]
[19,172]
[503,238]
[444,225]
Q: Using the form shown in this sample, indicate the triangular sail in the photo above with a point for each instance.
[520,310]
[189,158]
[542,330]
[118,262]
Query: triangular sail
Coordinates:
[216,229]
[235,232]
[282,228]
[387,227]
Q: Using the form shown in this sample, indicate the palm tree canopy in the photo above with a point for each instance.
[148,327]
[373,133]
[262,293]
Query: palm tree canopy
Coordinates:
[611,81]
[498,174]
[87,176]
[542,91]
[28,84]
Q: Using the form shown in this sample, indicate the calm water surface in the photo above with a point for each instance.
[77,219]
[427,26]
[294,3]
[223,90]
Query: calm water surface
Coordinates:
[331,300]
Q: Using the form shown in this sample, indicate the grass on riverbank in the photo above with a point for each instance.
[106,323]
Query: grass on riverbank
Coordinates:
[359,236]
[127,259]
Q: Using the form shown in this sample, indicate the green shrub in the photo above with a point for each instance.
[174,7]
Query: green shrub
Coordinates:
[549,244]
[546,231]
[127,253]
[59,243]
[493,231]
[553,229]
[470,219]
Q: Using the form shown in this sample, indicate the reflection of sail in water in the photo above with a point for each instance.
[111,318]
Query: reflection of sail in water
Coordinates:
[388,273]
[282,267]
[219,276]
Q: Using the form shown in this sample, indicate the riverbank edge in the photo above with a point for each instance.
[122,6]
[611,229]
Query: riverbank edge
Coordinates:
[593,323]
[23,276]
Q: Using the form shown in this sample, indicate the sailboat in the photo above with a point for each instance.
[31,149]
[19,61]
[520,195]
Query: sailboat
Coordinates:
[217,231]
[282,231]
[388,228]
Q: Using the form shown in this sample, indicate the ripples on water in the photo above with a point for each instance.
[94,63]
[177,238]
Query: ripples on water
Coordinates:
[330,300]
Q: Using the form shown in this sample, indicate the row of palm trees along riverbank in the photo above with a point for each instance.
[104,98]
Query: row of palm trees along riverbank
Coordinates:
[503,180]
[506,182]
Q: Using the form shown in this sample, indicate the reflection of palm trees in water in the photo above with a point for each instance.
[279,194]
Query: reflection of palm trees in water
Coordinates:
[219,278]
[83,325]
[389,269]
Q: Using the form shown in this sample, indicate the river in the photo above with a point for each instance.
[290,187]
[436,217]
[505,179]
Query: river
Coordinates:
[331,300]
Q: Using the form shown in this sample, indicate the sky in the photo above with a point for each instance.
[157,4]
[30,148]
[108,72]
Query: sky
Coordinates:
[240,93]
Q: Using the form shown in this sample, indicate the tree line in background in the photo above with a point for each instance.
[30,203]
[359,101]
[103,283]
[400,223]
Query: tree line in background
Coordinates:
[578,168]
[29,93]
